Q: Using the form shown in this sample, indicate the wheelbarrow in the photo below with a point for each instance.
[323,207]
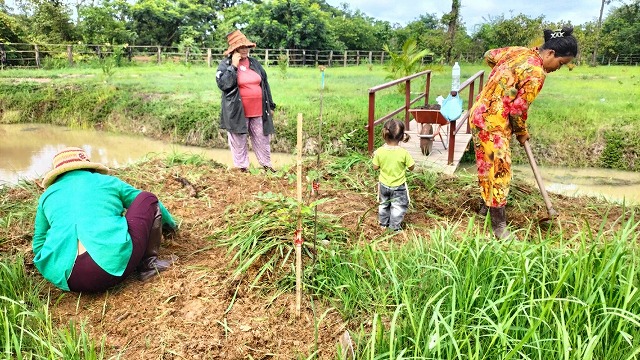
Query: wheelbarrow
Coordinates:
[432,125]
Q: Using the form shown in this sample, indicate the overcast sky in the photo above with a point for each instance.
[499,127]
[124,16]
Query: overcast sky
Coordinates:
[477,11]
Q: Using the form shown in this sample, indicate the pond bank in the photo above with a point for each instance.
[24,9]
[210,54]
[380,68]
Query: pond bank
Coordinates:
[28,149]
[571,124]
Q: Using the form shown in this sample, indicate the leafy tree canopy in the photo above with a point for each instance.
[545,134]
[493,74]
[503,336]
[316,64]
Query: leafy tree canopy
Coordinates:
[46,21]
[519,30]
[296,24]
[289,24]
[10,31]
[106,23]
[622,29]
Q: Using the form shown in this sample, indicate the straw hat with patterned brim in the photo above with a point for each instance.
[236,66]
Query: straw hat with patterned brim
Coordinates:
[237,39]
[71,158]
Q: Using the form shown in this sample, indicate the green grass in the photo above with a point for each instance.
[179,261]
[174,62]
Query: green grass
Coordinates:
[17,212]
[453,294]
[570,123]
[443,298]
[430,299]
[27,330]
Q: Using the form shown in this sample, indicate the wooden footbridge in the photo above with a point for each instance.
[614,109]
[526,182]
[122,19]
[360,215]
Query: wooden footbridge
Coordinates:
[438,156]
[450,140]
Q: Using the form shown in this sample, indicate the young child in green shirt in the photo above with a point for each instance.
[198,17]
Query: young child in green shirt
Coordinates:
[393,161]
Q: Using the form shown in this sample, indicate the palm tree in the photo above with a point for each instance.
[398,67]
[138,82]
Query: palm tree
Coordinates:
[595,46]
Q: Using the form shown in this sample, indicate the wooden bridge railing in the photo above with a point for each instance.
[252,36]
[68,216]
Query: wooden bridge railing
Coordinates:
[455,126]
[372,121]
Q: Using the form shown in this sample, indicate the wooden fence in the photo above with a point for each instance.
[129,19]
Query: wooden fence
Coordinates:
[57,55]
[23,55]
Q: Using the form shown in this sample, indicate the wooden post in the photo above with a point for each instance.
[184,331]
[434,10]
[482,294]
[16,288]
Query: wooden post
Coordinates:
[3,56]
[159,55]
[407,102]
[382,58]
[370,58]
[209,60]
[37,52]
[304,57]
[266,57]
[372,115]
[298,239]
[357,57]
[345,58]
[186,56]
[70,54]
[330,57]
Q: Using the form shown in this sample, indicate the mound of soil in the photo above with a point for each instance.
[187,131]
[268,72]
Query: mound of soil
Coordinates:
[429,107]
[198,310]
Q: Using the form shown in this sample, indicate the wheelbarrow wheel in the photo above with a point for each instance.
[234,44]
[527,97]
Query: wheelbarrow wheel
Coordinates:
[426,139]
[426,146]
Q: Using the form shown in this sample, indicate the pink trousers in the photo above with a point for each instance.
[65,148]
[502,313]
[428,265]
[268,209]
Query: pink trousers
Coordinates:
[240,147]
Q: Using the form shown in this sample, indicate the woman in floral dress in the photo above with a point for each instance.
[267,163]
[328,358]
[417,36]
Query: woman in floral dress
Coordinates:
[500,111]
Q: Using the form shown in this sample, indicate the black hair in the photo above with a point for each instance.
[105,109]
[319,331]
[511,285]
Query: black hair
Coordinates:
[393,130]
[562,42]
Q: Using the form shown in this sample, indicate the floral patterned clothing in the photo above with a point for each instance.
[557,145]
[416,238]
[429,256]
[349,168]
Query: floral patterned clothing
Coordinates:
[500,111]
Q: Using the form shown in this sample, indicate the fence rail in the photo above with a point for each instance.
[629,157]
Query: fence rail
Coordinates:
[43,55]
[622,59]
[24,55]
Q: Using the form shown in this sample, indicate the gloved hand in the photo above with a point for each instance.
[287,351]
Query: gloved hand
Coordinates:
[168,231]
[523,138]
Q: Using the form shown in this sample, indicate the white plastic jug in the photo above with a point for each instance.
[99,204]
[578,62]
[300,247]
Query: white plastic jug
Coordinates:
[455,77]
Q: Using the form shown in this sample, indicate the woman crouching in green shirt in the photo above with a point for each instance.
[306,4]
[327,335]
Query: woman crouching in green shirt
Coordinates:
[83,240]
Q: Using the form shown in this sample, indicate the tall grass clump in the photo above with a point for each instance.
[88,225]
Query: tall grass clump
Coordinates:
[26,328]
[346,172]
[17,208]
[472,298]
[260,235]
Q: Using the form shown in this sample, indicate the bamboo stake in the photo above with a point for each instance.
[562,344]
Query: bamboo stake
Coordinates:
[315,188]
[298,237]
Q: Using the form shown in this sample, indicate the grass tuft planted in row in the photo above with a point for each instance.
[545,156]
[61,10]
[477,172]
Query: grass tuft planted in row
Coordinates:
[441,297]
[260,234]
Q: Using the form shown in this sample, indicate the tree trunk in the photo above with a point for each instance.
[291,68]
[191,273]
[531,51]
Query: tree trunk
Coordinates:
[452,26]
[595,46]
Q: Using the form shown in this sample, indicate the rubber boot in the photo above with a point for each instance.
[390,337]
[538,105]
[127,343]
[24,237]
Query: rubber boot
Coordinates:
[150,264]
[499,222]
[483,209]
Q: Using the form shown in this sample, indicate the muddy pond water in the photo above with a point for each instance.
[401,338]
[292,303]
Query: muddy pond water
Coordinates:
[26,151]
